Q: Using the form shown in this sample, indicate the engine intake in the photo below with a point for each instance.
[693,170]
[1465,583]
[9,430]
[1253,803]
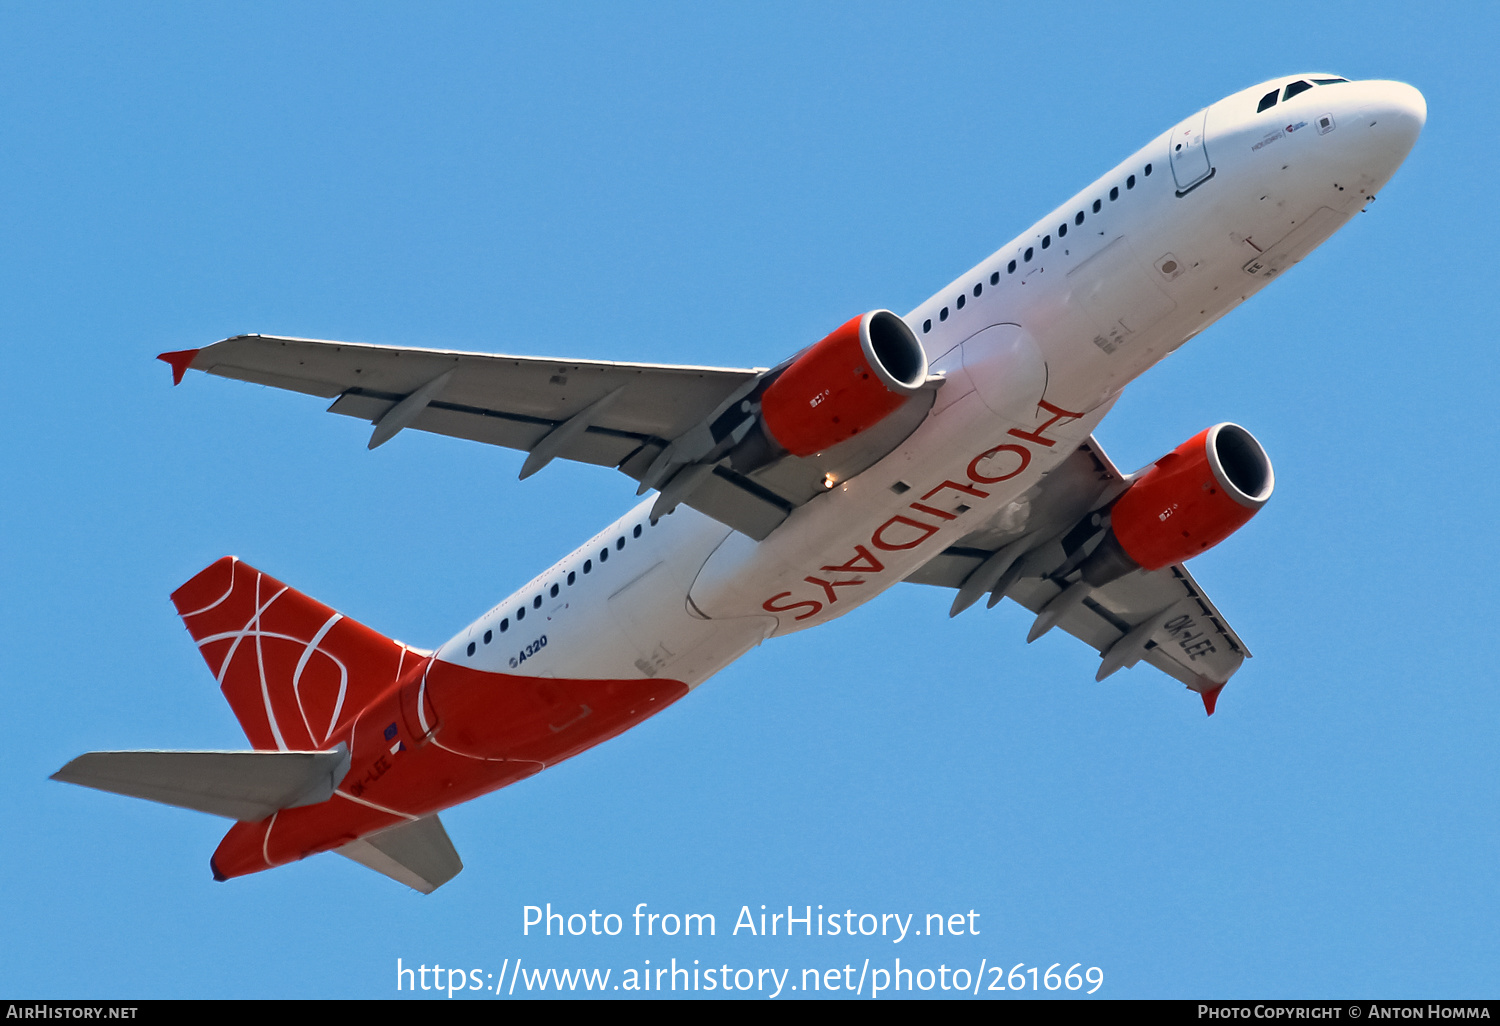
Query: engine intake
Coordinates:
[846,383]
[1190,500]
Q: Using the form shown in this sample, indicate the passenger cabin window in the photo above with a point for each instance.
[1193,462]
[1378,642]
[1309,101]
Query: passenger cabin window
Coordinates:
[1294,89]
[1268,101]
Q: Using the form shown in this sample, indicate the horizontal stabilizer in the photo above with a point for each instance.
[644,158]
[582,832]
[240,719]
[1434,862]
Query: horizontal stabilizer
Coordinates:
[246,786]
[417,854]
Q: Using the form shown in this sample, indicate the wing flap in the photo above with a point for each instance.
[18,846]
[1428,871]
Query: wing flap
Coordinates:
[600,446]
[739,502]
[1190,641]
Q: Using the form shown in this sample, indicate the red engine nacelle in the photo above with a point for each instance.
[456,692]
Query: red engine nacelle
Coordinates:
[1193,498]
[845,384]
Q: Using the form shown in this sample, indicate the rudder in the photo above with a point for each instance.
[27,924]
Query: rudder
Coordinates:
[292,669]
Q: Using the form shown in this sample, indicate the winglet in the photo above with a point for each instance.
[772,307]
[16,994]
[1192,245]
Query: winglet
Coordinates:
[180,361]
[1210,698]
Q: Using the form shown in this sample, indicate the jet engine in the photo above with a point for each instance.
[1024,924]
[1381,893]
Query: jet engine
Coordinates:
[1188,501]
[845,384]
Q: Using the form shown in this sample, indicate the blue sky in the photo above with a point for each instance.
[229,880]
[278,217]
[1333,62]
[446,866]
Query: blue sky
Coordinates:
[674,183]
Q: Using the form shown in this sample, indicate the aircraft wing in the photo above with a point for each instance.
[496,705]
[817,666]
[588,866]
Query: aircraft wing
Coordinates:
[1027,551]
[511,401]
[668,427]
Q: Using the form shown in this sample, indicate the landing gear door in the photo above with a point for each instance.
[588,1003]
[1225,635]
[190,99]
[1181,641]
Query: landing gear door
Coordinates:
[1189,153]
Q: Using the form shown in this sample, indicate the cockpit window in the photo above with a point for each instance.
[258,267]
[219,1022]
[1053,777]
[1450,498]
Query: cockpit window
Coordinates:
[1268,101]
[1294,89]
[1328,81]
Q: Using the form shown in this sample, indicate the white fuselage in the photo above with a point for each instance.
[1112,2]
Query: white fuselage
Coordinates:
[1035,342]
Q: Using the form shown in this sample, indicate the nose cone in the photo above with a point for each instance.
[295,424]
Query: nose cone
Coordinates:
[1395,112]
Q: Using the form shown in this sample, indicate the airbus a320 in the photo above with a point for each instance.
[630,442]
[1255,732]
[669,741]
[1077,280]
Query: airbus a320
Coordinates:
[951,447]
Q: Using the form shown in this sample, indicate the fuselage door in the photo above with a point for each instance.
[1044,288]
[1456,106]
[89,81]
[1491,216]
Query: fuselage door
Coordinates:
[1189,153]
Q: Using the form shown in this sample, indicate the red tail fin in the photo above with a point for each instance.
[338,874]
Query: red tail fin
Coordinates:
[292,669]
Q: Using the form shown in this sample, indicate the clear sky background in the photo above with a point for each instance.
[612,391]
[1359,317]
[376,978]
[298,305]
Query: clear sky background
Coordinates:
[678,183]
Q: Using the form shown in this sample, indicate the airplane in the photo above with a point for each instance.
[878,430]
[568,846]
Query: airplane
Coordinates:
[951,447]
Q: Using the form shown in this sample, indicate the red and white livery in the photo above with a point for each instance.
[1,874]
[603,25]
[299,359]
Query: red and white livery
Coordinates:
[951,446]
